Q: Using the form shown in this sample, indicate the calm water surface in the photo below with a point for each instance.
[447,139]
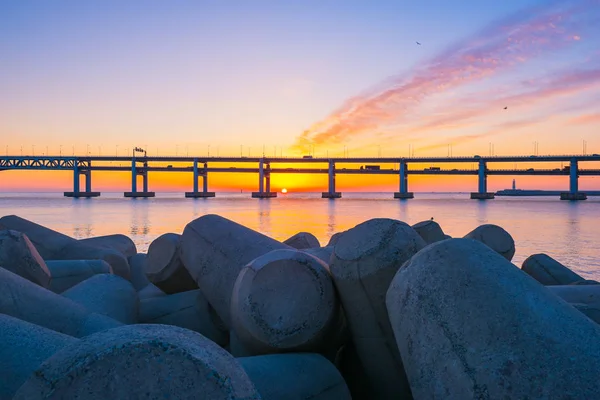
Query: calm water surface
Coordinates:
[567,231]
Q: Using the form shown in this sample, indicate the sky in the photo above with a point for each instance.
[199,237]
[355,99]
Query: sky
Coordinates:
[313,77]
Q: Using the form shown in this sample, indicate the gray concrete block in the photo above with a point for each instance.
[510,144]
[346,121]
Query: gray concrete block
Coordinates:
[334,239]
[68,273]
[322,253]
[188,310]
[53,245]
[496,238]
[214,250]
[303,240]
[18,255]
[430,231]
[23,347]
[25,300]
[364,261]
[150,291]
[548,271]
[122,243]
[469,324]
[284,301]
[137,269]
[164,267]
[140,361]
[295,377]
[585,298]
[108,295]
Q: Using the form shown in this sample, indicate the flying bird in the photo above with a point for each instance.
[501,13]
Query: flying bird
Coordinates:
[505,108]
[418,43]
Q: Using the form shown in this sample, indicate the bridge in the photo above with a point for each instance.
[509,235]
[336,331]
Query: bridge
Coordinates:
[265,166]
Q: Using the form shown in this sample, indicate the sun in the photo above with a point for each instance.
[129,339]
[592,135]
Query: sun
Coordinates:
[284,190]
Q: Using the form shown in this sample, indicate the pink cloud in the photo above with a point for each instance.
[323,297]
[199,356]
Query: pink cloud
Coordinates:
[500,47]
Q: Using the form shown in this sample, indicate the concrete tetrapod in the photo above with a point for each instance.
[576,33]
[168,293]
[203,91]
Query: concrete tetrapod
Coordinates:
[299,376]
[137,269]
[68,273]
[470,325]
[188,310]
[302,240]
[18,255]
[214,250]
[430,231]
[284,301]
[122,243]
[322,253]
[496,238]
[585,298]
[164,267]
[108,295]
[364,261]
[53,245]
[548,271]
[334,239]
[25,300]
[140,361]
[23,347]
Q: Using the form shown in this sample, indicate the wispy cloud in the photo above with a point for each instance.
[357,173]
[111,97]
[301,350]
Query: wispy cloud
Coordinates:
[512,42]
[585,119]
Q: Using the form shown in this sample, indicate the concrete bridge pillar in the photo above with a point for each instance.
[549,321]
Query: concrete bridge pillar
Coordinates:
[403,174]
[77,172]
[262,175]
[204,174]
[205,179]
[574,193]
[482,193]
[88,180]
[134,175]
[135,172]
[331,193]
[75,177]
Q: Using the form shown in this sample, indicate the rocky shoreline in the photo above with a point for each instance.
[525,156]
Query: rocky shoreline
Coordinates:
[384,311]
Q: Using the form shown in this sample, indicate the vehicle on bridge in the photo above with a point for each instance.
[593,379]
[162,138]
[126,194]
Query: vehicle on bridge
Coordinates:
[433,169]
[307,156]
[371,168]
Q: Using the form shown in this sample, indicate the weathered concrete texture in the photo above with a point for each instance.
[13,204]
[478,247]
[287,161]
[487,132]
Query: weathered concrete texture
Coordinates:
[18,255]
[548,271]
[150,291]
[322,253]
[164,267]
[430,231]
[214,250]
[334,239]
[188,310]
[53,245]
[295,377]
[364,261]
[496,238]
[137,269]
[121,243]
[284,301]
[68,273]
[108,295]
[303,240]
[23,347]
[140,361]
[25,300]
[470,325]
[585,298]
